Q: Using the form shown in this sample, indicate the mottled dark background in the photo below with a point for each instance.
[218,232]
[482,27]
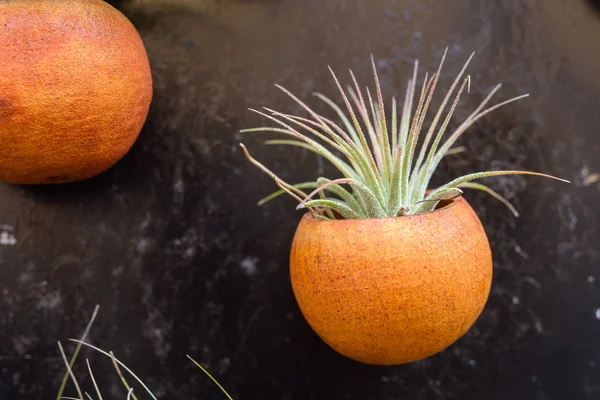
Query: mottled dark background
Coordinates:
[172,246]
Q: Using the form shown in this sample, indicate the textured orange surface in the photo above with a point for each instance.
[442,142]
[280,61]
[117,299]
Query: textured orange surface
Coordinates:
[396,290]
[75,89]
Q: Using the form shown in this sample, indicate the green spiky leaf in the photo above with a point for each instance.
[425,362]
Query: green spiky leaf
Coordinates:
[387,172]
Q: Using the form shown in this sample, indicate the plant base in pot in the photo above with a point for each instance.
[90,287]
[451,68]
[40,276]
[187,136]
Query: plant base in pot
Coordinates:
[384,270]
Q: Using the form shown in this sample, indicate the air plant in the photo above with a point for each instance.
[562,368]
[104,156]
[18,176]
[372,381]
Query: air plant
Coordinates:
[366,296]
[118,365]
[377,151]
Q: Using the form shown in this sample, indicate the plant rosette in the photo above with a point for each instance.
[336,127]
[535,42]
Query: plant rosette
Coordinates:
[385,270]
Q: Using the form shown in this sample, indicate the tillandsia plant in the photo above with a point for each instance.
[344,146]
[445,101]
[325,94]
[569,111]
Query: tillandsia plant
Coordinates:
[382,271]
[120,368]
[378,152]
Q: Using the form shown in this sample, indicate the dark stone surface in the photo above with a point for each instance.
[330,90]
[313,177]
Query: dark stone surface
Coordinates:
[171,244]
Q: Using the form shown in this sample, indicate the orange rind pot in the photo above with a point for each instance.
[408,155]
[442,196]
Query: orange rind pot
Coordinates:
[393,290]
[75,89]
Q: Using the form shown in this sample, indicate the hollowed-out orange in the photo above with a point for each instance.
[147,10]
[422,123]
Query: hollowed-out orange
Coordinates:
[394,290]
[75,89]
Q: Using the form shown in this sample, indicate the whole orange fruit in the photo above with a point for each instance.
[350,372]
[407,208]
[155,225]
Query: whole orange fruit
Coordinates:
[75,89]
[392,290]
